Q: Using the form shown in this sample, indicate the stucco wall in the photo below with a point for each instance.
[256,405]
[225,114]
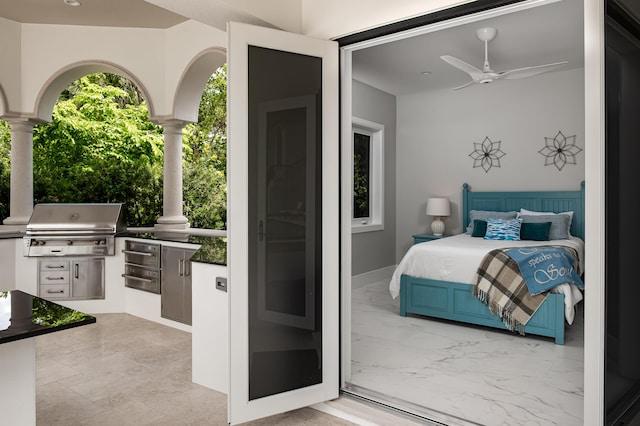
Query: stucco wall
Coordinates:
[437,130]
[156,58]
[10,59]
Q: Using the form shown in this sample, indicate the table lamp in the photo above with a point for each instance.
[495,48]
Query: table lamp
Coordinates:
[438,207]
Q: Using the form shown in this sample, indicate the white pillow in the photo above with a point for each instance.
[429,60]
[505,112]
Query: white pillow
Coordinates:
[532,213]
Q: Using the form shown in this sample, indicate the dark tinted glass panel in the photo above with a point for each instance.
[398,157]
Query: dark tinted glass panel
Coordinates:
[361,174]
[622,347]
[285,218]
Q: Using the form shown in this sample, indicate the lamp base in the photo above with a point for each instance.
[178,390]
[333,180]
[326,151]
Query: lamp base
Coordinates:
[437,227]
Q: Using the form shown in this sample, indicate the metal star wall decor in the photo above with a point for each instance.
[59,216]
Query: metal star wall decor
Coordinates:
[560,150]
[487,154]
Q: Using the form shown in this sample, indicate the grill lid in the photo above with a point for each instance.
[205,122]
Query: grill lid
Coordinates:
[80,218]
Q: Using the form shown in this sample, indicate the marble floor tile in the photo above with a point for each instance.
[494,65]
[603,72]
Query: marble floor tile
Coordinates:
[483,376]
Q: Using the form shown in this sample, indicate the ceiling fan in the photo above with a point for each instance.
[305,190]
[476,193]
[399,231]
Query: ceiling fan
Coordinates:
[486,74]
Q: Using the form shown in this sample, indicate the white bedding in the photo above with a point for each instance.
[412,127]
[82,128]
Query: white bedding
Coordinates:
[457,258]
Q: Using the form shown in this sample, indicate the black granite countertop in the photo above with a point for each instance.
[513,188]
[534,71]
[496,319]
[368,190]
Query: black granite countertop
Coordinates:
[212,249]
[23,316]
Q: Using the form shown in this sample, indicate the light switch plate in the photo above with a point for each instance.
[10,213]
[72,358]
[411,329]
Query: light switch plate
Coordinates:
[221,284]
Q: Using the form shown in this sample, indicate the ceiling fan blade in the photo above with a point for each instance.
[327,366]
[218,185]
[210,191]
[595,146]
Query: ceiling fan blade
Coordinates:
[474,72]
[463,86]
[529,71]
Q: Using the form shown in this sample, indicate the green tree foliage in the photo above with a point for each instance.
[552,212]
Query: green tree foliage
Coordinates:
[5,167]
[100,147]
[205,158]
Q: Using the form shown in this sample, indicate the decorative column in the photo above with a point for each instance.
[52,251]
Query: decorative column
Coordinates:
[21,186]
[172,217]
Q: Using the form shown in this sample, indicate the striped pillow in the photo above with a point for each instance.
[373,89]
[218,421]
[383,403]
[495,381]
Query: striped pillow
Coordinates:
[501,229]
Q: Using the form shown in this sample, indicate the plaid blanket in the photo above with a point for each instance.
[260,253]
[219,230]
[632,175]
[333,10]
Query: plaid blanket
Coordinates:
[499,285]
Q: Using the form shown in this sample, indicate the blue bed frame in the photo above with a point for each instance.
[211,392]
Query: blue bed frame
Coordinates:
[454,301]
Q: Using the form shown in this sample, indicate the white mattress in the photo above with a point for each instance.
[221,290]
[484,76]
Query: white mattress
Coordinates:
[457,258]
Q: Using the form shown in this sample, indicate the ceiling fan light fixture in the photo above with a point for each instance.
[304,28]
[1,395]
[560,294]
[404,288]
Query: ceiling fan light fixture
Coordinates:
[486,34]
[73,3]
[486,74]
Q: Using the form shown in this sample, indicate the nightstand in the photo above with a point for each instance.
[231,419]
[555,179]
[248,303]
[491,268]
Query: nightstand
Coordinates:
[422,238]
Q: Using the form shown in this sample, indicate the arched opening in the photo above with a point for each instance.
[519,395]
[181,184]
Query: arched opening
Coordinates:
[51,90]
[100,144]
[204,156]
[193,82]
[100,147]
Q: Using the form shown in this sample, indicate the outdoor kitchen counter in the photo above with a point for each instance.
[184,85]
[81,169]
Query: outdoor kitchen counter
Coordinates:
[22,317]
[212,249]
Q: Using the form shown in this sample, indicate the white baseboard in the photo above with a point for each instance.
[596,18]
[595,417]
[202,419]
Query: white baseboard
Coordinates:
[382,274]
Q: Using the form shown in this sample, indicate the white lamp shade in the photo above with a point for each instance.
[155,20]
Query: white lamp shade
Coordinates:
[438,207]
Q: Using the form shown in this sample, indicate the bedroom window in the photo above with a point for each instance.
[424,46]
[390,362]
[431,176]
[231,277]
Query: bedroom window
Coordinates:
[368,177]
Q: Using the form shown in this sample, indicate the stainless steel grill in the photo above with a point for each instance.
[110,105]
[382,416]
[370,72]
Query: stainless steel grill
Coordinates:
[64,229]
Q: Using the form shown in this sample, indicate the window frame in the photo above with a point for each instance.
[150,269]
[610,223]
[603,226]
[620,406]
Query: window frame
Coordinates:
[375,221]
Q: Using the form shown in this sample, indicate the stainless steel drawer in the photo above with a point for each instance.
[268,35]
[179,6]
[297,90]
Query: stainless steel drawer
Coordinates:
[142,254]
[142,278]
[54,291]
[54,265]
[54,277]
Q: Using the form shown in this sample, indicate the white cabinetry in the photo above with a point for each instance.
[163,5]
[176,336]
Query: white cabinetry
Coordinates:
[209,332]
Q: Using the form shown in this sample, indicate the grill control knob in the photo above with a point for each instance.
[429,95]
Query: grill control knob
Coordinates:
[69,242]
[42,243]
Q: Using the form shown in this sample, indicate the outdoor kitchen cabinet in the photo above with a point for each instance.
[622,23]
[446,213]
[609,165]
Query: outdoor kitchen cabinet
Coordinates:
[71,278]
[176,284]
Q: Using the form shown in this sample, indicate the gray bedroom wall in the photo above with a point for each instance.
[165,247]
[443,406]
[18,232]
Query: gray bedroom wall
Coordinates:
[437,131]
[376,250]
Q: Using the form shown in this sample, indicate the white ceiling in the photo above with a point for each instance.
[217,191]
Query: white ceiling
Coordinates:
[109,13]
[536,36]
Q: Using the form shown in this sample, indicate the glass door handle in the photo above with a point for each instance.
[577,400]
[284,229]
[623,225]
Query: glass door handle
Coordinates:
[260,230]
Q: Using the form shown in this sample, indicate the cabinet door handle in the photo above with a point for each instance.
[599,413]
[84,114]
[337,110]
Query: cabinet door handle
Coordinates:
[260,230]
[133,277]
[54,266]
[55,291]
[181,267]
[54,278]
[76,270]
[140,253]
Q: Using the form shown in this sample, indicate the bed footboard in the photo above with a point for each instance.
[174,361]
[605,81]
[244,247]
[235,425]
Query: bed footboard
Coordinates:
[455,302]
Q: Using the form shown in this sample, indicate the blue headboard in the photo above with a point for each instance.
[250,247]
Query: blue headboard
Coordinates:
[545,201]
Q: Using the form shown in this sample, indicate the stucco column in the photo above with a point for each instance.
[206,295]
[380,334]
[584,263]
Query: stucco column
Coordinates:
[172,216]
[21,186]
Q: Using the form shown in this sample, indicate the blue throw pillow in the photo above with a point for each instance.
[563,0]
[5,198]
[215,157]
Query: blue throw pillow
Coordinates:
[479,228]
[484,215]
[535,231]
[501,229]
